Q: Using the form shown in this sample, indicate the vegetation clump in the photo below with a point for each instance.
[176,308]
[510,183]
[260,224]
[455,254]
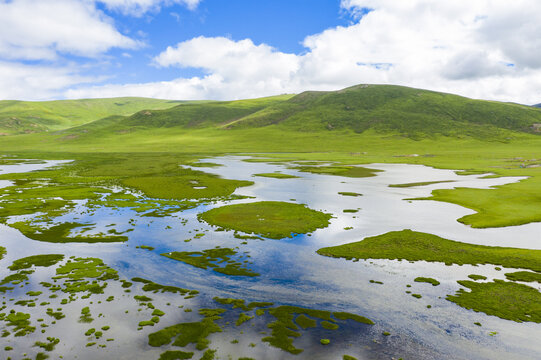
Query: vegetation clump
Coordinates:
[349,193]
[477,277]
[524,276]
[414,184]
[218,259]
[416,246]
[348,171]
[276,175]
[432,281]
[271,219]
[186,333]
[506,300]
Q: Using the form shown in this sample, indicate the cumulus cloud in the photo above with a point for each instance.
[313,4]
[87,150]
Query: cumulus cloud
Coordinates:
[36,82]
[139,7]
[40,29]
[483,49]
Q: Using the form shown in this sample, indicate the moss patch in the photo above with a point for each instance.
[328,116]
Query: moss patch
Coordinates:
[272,219]
[416,246]
[506,300]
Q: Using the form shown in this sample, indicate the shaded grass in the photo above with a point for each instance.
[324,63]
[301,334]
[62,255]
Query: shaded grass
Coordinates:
[415,246]
[272,219]
[506,300]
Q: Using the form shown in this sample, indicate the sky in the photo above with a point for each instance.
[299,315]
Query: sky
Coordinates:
[236,49]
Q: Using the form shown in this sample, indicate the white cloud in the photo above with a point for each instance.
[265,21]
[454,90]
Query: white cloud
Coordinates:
[139,7]
[40,29]
[35,82]
[484,49]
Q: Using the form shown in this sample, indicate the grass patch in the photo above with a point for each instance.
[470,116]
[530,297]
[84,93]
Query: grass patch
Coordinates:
[347,171]
[477,277]
[187,333]
[524,276]
[349,193]
[271,219]
[155,287]
[218,259]
[506,300]
[277,175]
[432,281]
[415,246]
[413,184]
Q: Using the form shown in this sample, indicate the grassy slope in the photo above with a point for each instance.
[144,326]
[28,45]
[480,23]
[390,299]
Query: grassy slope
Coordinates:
[481,138]
[412,112]
[37,116]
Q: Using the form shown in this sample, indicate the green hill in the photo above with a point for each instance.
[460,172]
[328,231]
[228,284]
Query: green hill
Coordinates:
[385,108]
[19,117]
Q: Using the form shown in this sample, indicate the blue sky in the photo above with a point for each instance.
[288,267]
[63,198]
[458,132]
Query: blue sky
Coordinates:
[280,24]
[217,49]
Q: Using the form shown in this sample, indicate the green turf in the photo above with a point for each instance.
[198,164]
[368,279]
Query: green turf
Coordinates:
[271,219]
[525,276]
[416,246]
[506,300]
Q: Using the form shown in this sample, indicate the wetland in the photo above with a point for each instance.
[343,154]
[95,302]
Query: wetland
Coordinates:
[163,256]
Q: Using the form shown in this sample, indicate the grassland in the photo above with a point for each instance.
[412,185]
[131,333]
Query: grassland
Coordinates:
[271,219]
[415,246]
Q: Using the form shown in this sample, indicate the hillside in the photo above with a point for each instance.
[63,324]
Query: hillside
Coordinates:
[19,117]
[311,121]
[413,113]
[384,108]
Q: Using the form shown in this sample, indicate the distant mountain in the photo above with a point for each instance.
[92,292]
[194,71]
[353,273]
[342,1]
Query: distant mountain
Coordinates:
[18,117]
[537,105]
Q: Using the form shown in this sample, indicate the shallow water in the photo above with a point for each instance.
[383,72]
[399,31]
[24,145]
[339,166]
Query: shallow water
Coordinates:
[292,273]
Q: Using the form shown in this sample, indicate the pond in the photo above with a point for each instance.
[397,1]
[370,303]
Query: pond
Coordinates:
[110,309]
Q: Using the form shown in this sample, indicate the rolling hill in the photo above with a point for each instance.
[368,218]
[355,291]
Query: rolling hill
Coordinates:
[309,121]
[20,117]
[410,112]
